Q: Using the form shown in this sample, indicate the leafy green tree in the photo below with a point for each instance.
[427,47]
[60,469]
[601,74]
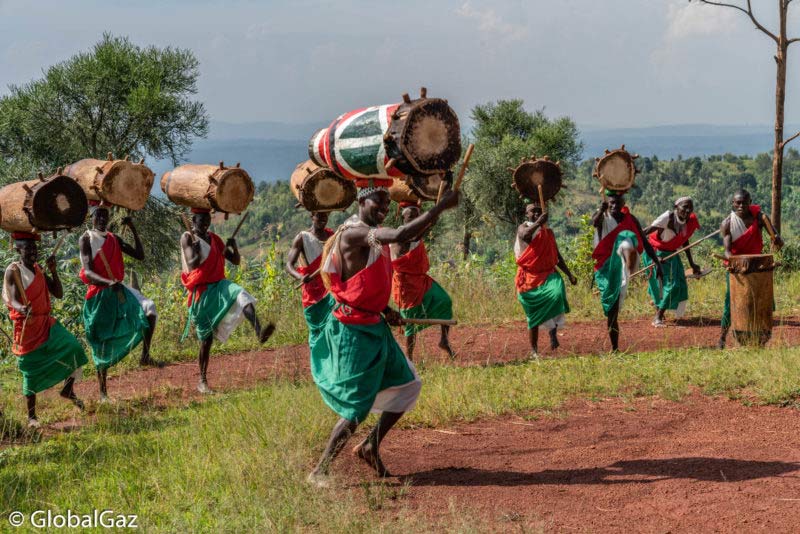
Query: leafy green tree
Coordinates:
[505,133]
[119,98]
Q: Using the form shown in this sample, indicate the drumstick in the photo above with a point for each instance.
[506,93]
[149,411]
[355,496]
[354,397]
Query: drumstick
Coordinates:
[541,202]
[188,226]
[59,243]
[443,322]
[687,247]
[441,191]
[241,220]
[770,231]
[464,166]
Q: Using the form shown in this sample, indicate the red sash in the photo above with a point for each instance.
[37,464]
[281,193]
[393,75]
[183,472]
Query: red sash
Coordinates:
[537,261]
[410,280]
[113,254]
[315,289]
[38,323]
[365,295]
[605,248]
[210,271]
[751,241]
[676,242]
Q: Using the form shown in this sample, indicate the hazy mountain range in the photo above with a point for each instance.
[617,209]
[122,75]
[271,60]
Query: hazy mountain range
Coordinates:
[271,150]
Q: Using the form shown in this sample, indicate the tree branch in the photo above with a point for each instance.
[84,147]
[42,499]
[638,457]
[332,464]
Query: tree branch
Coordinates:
[789,140]
[748,12]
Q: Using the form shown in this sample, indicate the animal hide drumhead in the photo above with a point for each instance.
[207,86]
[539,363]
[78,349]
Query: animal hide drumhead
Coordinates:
[431,136]
[529,175]
[323,190]
[616,170]
[427,187]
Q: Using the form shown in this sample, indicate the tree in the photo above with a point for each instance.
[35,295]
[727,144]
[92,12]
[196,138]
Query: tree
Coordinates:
[504,133]
[782,43]
[118,98]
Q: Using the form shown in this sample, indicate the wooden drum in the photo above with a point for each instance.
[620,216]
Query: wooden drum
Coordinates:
[218,188]
[752,298]
[616,170]
[415,138]
[320,189]
[533,173]
[118,182]
[54,203]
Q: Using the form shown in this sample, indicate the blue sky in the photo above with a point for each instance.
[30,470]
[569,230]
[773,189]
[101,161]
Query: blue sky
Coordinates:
[605,63]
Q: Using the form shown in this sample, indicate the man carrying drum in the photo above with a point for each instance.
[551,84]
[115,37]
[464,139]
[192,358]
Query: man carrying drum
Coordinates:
[116,317]
[317,301]
[47,352]
[618,242]
[669,232]
[216,305]
[540,289]
[416,294]
[741,234]
[357,364]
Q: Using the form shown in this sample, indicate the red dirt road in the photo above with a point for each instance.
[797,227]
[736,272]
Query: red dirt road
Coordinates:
[703,465]
[474,345]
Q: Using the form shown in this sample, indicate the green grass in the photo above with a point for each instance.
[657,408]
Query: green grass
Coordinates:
[237,462]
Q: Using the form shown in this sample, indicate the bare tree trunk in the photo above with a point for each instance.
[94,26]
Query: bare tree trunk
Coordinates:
[466,242]
[780,99]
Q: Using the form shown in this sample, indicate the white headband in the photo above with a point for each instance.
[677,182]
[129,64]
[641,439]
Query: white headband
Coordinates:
[367,191]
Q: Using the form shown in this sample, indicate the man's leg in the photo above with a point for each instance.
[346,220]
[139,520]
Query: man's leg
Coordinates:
[146,359]
[33,422]
[658,320]
[725,322]
[533,338]
[102,377]
[68,392]
[554,344]
[368,450]
[339,435]
[613,326]
[250,315]
[411,342]
[444,341]
[205,352]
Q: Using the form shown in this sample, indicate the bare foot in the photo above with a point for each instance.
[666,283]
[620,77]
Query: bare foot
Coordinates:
[318,480]
[554,344]
[105,399]
[372,459]
[444,344]
[534,355]
[266,332]
[203,388]
[150,362]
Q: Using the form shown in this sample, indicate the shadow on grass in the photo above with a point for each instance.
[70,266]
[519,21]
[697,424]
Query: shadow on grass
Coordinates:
[622,472]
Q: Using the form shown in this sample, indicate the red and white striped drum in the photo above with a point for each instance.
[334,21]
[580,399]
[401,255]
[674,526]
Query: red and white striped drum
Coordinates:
[413,138]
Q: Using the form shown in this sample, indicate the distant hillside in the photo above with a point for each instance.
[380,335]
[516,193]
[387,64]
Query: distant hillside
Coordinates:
[271,150]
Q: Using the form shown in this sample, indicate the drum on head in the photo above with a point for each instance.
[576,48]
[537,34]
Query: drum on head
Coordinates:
[532,173]
[615,170]
[320,189]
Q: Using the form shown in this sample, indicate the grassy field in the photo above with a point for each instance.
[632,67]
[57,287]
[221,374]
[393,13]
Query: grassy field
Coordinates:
[237,462]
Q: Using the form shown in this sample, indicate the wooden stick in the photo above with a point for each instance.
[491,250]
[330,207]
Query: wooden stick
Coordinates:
[444,322]
[541,202]
[238,226]
[687,247]
[59,243]
[770,231]
[464,166]
[441,191]
[188,226]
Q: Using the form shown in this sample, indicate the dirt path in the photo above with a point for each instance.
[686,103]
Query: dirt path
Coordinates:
[475,345]
[703,465]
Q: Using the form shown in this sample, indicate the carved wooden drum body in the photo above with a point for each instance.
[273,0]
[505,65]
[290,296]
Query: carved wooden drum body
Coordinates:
[54,203]
[752,297]
[320,189]
[218,188]
[117,182]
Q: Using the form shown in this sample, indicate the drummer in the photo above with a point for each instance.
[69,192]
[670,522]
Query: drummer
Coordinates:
[540,289]
[618,242]
[669,232]
[741,234]
[416,294]
[307,246]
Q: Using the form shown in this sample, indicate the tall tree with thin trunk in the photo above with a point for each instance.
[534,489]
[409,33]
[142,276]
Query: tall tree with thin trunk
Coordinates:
[782,43]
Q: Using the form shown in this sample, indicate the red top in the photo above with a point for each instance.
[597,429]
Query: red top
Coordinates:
[210,271]
[676,242]
[366,294]
[605,247]
[410,280]
[751,241]
[38,323]
[537,261]
[315,290]
[113,254]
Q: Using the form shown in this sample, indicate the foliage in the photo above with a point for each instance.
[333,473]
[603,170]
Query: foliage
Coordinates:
[505,133]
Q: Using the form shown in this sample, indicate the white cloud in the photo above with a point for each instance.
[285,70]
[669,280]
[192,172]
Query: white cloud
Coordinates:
[694,19]
[490,24]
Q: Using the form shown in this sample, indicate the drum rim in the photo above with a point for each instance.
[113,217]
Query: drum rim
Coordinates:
[413,108]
